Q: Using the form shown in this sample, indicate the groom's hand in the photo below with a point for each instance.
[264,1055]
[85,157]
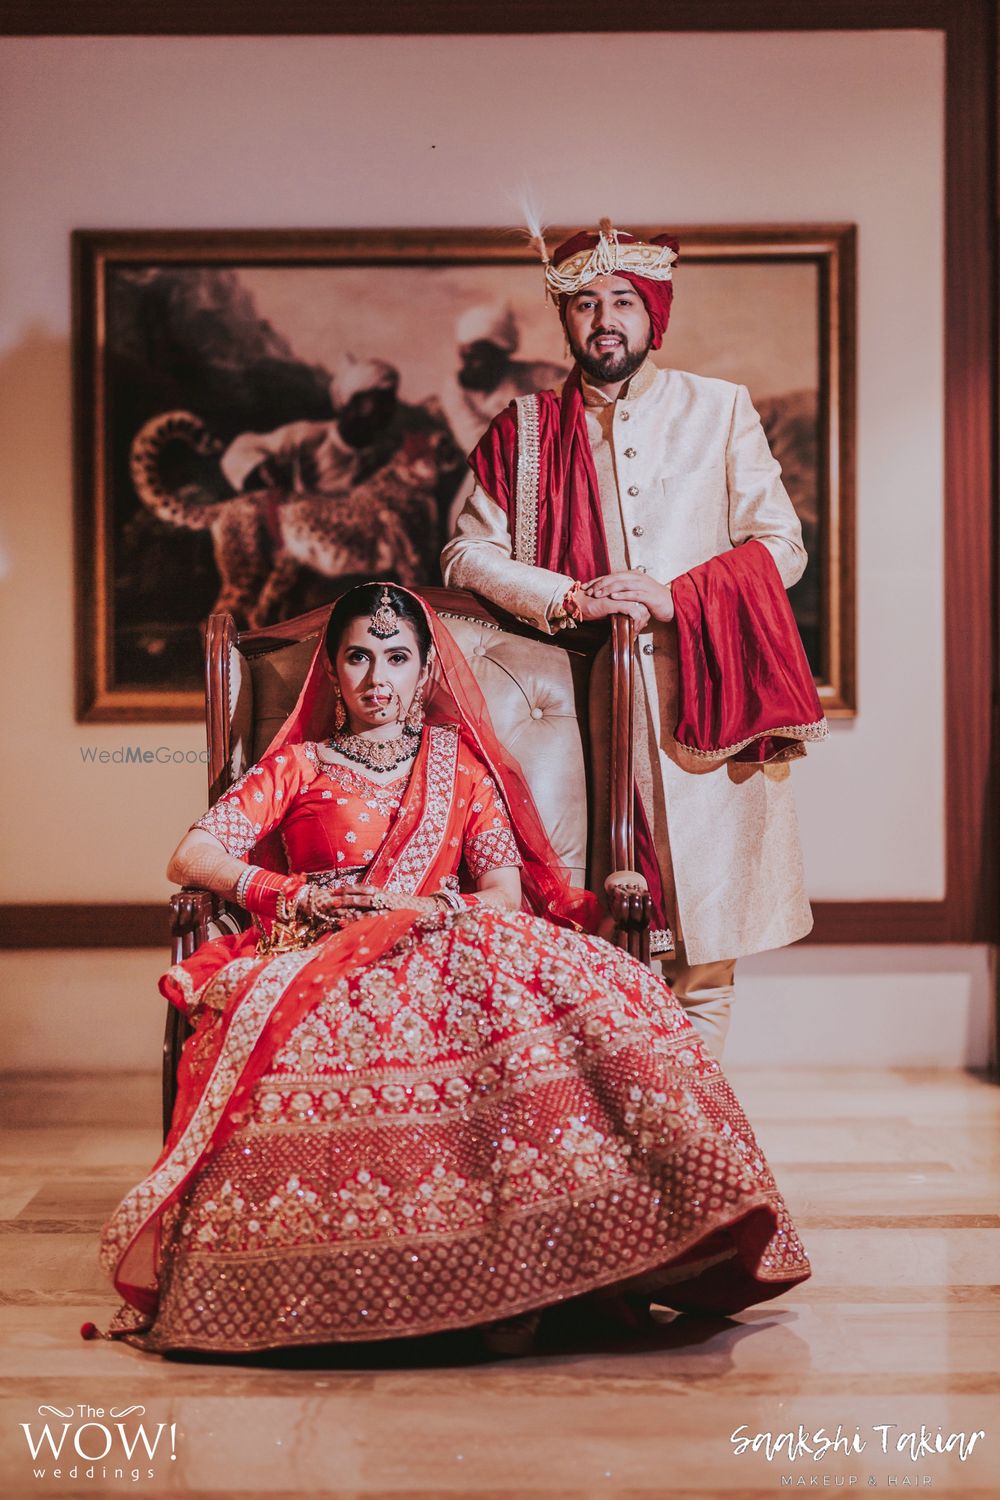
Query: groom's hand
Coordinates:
[631,588]
[596,608]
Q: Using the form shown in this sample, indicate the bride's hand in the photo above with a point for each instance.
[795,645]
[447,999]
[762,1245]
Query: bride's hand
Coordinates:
[359,900]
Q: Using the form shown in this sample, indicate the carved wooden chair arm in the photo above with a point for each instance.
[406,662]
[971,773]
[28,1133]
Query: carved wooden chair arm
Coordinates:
[190,913]
[629,905]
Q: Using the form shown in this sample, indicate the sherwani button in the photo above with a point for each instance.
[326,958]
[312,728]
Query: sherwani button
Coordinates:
[630,453]
[625,416]
[633,489]
[648,649]
[640,568]
[638,531]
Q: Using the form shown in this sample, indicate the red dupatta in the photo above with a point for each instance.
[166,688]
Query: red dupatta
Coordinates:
[745,689]
[568,523]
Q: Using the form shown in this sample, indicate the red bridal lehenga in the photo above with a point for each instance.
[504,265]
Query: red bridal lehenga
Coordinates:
[423,1122]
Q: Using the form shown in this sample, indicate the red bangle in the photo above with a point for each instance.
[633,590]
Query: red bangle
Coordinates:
[570,607]
[269,894]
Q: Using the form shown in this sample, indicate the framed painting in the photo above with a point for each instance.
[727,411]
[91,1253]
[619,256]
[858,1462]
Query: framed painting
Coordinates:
[263,417]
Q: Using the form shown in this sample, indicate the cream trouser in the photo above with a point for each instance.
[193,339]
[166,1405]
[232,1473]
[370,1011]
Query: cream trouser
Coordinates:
[706,993]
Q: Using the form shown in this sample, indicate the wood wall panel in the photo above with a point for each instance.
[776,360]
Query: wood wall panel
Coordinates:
[455,17]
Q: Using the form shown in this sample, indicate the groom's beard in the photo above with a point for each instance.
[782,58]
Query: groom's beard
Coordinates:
[614,364]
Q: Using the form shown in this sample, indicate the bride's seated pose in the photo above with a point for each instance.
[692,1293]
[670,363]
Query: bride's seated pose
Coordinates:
[421,1093]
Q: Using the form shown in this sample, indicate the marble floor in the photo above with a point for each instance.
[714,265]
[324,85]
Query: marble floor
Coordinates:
[893,1178]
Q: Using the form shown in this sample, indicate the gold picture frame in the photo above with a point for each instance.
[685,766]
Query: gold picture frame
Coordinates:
[243,331]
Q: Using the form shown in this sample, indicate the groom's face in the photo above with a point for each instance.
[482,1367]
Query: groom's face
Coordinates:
[609,330]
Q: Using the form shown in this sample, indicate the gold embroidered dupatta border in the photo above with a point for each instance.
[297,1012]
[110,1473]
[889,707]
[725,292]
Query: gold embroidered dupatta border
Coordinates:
[528,469]
[410,855]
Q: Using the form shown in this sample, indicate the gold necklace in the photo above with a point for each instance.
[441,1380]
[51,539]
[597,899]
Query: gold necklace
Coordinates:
[377,755]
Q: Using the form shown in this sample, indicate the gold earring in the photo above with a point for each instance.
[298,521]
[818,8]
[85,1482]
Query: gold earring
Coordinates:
[415,713]
[339,711]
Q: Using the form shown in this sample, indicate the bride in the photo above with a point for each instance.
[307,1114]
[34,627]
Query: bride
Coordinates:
[420,1094]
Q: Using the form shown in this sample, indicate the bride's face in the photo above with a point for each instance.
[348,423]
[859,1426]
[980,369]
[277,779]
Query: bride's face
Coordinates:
[377,678]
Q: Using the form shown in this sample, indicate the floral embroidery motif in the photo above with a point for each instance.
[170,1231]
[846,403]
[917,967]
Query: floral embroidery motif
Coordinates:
[231,826]
[493,849]
[384,797]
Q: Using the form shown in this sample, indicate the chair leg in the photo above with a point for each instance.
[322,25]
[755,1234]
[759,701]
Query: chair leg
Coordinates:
[190,914]
[175,1035]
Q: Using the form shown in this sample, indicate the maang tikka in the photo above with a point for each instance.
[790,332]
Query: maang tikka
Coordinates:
[384,623]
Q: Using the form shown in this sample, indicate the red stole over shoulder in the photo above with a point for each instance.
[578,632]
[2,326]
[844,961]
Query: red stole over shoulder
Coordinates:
[563,517]
[745,689]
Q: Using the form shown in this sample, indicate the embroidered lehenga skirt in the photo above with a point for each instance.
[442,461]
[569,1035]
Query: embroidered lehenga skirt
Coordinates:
[495,1116]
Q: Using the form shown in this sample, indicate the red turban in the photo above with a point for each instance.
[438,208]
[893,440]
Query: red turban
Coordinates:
[657,295]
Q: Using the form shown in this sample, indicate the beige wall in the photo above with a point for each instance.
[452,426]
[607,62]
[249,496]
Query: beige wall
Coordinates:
[127,132]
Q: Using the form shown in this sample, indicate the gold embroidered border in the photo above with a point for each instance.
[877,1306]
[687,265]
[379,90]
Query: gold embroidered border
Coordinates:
[408,1286]
[816,731]
[535,1054]
[245,1029]
[661,940]
[526,514]
[421,848]
[230,825]
[184,982]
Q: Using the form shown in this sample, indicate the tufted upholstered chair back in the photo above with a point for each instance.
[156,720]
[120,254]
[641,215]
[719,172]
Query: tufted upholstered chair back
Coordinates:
[534,686]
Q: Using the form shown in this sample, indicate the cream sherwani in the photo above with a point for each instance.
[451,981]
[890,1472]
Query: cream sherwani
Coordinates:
[685,474]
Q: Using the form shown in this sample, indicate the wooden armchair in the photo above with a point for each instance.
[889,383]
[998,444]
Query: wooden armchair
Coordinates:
[538,691]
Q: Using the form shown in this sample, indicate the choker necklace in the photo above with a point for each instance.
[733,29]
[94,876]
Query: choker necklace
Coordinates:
[377,755]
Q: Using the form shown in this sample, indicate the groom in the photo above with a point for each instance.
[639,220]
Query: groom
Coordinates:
[636,490]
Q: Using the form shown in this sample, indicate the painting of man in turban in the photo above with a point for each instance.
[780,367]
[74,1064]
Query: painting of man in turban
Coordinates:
[266,418]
